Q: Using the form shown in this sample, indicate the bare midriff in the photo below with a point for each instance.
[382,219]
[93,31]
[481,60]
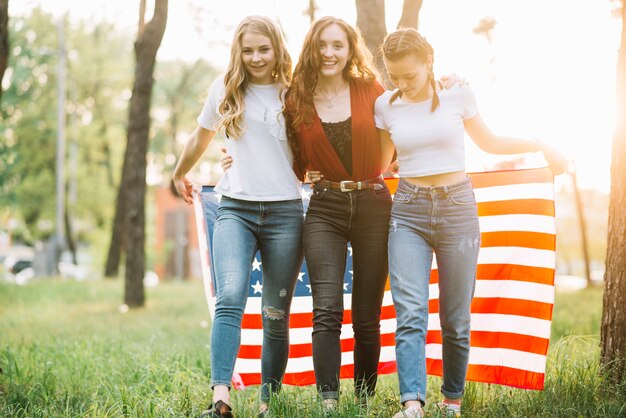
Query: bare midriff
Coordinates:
[443,179]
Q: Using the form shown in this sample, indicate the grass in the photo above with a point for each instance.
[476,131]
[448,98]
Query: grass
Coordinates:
[66,350]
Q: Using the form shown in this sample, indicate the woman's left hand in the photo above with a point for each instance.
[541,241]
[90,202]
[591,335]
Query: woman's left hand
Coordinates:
[448,81]
[556,160]
[226,161]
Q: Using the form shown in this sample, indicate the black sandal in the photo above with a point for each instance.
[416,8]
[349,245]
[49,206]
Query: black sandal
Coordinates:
[219,409]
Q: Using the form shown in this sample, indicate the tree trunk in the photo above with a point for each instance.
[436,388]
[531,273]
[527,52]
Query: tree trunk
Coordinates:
[410,14]
[370,19]
[4,40]
[146,47]
[310,11]
[582,223]
[69,237]
[613,330]
[117,244]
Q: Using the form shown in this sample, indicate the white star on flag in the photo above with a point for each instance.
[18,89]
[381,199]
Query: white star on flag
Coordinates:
[350,249]
[309,286]
[345,286]
[300,276]
[256,265]
[258,287]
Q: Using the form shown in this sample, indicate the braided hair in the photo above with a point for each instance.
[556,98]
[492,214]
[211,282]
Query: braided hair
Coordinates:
[407,41]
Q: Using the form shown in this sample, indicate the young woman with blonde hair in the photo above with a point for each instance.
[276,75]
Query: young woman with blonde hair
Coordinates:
[260,208]
[433,210]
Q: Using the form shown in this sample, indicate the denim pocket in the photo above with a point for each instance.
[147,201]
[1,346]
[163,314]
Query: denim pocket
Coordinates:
[401,197]
[381,194]
[463,198]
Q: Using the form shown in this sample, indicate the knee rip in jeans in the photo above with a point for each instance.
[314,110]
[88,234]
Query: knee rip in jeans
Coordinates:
[273,313]
[394,225]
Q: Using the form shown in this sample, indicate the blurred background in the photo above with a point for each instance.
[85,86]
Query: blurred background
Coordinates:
[539,70]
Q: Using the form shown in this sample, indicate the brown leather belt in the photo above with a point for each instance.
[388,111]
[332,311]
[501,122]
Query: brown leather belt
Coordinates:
[349,185]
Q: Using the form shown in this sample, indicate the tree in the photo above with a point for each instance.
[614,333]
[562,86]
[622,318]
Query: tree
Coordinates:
[410,14]
[133,183]
[613,331]
[310,10]
[370,19]
[4,40]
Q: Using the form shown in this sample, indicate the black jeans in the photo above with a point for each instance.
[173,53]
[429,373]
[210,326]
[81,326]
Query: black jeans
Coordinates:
[333,219]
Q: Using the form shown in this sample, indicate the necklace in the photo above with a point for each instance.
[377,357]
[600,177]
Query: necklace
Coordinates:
[329,99]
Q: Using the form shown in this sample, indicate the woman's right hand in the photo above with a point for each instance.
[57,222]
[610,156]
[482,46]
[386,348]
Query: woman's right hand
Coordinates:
[226,161]
[314,176]
[184,188]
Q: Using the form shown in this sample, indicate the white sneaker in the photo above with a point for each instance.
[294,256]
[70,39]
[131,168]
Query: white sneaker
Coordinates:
[413,411]
[449,409]
[330,405]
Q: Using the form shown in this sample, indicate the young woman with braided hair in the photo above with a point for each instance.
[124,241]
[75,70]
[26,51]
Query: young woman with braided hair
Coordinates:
[433,210]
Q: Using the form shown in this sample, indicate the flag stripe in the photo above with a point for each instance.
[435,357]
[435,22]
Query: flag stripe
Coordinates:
[531,223]
[536,240]
[511,177]
[517,207]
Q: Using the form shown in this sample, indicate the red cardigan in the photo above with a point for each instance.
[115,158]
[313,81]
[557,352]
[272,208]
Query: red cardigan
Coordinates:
[318,154]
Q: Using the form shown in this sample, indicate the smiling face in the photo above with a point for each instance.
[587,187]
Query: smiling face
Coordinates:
[258,57]
[410,75]
[334,51]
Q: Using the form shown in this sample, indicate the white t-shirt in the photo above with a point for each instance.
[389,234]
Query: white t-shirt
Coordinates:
[262,167]
[428,142]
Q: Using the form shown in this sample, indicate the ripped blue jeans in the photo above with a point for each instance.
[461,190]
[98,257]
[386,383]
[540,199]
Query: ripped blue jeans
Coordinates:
[443,220]
[241,228]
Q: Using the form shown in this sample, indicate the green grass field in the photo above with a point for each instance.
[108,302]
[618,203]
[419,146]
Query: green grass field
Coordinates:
[67,351]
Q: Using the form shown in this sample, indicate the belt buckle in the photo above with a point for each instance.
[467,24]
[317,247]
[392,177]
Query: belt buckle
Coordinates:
[342,186]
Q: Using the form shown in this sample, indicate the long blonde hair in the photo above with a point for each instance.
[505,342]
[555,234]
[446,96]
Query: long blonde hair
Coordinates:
[237,79]
[305,76]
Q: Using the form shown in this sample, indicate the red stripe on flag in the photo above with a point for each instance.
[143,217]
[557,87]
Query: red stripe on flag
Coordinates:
[308,377]
[536,240]
[515,207]
[539,275]
[504,306]
[494,374]
[510,177]
[487,339]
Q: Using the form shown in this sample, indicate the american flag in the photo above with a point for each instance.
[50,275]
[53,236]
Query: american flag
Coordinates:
[511,310]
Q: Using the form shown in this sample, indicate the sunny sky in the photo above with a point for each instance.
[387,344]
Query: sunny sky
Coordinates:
[548,72]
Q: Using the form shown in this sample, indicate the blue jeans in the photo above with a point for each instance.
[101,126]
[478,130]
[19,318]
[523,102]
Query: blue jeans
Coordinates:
[444,220]
[241,228]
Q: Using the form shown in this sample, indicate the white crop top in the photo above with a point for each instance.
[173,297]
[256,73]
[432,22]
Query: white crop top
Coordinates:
[262,168]
[428,142]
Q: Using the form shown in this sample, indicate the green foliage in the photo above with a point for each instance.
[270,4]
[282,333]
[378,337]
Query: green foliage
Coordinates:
[180,91]
[67,351]
[98,75]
